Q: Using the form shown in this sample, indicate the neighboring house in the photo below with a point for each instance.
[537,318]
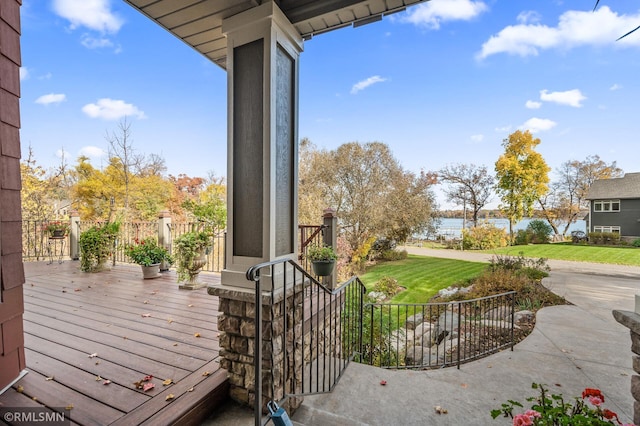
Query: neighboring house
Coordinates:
[614,206]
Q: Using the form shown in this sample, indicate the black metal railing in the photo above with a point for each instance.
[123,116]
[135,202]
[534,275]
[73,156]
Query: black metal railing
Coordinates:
[214,254]
[309,235]
[313,332]
[436,335]
[35,241]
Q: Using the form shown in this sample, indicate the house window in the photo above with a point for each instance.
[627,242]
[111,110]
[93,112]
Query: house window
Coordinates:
[609,229]
[606,206]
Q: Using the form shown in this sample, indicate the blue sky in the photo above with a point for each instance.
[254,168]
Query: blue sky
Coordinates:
[442,83]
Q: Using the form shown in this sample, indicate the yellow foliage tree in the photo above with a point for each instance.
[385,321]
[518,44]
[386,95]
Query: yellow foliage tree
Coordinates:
[522,175]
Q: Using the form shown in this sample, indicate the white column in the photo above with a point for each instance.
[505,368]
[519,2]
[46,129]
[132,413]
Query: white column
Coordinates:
[263,48]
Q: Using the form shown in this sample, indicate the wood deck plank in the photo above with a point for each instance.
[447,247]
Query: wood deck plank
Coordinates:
[63,326]
[123,355]
[82,409]
[114,335]
[115,394]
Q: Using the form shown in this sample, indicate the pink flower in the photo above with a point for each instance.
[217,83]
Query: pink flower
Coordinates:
[532,414]
[592,392]
[595,400]
[522,420]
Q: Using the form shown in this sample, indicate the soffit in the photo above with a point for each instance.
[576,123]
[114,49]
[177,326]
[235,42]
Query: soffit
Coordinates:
[199,22]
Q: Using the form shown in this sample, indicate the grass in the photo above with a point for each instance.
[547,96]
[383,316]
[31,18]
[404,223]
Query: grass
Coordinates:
[422,276]
[621,255]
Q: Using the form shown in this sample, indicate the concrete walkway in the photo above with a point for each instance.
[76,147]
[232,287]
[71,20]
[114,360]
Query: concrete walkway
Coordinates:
[571,348]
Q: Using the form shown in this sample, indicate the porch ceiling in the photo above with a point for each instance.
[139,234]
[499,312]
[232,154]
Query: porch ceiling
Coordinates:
[199,22]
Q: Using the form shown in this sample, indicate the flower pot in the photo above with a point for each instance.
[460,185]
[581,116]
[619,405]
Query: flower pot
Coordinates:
[57,233]
[152,271]
[323,268]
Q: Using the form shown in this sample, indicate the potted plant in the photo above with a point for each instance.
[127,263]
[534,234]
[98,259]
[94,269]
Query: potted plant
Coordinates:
[190,256]
[323,259]
[148,254]
[57,229]
[95,248]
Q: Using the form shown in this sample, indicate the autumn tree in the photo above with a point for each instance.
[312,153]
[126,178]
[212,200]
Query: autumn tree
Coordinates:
[373,196]
[468,185]
[522,176]
[35,190]
[567,194]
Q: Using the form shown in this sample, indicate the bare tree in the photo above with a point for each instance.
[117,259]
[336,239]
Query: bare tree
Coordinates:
[567,196]
[469,185]
[121,148]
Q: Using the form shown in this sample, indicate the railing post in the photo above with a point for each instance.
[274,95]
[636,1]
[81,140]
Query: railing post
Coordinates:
[164,234]
[330,222]
[74,235]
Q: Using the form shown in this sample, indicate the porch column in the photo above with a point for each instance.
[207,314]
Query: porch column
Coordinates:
[12,361]
[262,83]
[262,79]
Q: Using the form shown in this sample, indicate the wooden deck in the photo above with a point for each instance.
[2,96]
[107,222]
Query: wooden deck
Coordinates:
[82,330]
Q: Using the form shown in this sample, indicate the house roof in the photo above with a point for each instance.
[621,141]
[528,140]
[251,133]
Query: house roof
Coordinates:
[199,22]
[627,186]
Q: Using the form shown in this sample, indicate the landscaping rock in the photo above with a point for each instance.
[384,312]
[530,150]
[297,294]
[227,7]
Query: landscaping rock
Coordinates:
[413,321]
[523,317]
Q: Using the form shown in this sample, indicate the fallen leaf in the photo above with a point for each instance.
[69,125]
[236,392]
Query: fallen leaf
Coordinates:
[34,398]
[48,379]
[190,390]
[20,389]
[190,305]
[147,378]
[383,382]
[464,385]
[175,344]
[64,291]
[138,384]
[69,407]
[167,382]
[98,378]
[148,386]
[97,362]
[93,355]
[146,301]
[439,410]
[197,335]
[77,289]
[106,382]
[170,320]
[169,397]
[146,315]
[206,373]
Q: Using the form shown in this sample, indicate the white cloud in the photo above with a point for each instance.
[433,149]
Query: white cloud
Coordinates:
[434,12]
[572,98]
[95,43]
[536,125]
[477,138]
[575,28]
[528,17]
[62,153]
[24,73]
[92,152]
[615,87]
[93,14]
[533,104]
[112,109]
[361,85]
[51,98]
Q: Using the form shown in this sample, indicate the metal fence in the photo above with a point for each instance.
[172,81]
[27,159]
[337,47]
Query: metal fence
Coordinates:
[436,335]
[215,253]
[36,244]
[321,328]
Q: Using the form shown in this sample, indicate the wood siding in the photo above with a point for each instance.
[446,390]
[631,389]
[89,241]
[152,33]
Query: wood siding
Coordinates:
[12,355]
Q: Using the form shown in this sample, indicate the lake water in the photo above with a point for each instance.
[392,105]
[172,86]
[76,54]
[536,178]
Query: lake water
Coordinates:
[452,228]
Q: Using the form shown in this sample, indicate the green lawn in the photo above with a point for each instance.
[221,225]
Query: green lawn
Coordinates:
[422,276]
[620,255]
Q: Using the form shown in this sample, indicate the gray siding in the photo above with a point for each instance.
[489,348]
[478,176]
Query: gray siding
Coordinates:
[627,218]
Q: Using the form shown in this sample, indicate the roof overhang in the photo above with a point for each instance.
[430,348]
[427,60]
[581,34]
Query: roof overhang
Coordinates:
[199,22]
